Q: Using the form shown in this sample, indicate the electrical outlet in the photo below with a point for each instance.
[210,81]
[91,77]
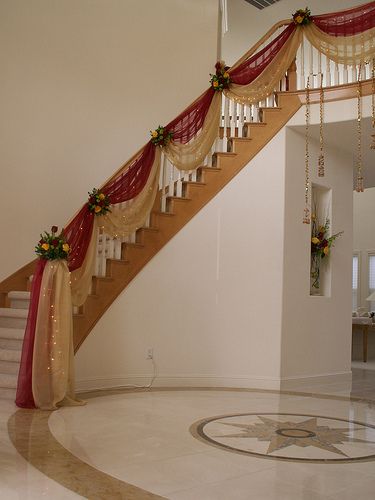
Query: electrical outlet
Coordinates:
[150,354]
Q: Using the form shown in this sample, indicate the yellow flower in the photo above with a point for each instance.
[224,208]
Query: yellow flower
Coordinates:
[315,240]
[216,83]
[66,247]
[98,209]
[326,250]
[45,246]
[101,196]
[299,19]
[154,134]
[226,75]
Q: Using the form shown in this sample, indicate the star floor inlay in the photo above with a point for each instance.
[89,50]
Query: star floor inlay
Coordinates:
[289,436]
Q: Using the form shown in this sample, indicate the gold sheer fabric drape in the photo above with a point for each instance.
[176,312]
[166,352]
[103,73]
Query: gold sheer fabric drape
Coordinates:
[190,156]
[269,79]
[126,218]
[81,278]
[349,50]
[53,368]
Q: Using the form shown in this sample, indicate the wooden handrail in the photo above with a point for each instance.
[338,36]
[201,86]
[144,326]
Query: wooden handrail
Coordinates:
[265,37]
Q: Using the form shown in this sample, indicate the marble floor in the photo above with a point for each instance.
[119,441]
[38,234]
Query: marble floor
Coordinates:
[195,445]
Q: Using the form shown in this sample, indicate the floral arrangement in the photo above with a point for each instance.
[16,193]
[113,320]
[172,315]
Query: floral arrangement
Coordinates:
[221,79]
[160,137]
[320,241]
[302,16]
[52,246]
[98,202]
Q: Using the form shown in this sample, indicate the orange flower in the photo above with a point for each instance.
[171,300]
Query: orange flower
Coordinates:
[299,19]
[66,247]
[101,196]
[226,75]
[216,83]
[98,209]
[154,134]
[326,250]
[45,246]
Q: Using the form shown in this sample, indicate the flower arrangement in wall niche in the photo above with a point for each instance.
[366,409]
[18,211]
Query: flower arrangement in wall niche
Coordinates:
[160,137]
[321,244]
[302,16]
[52,246]
[221,79]
[99,202]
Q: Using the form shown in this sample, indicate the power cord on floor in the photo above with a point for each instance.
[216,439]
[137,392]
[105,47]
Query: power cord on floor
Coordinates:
[133,386]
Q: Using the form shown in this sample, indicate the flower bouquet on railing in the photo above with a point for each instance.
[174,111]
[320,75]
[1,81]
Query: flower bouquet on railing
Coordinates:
[221,79]
[98,202]
[52,246]
[301,17]
[321,244]
[160,137]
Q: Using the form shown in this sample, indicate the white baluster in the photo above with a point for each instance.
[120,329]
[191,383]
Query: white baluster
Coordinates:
[240,119]
[225,125]
[164,178]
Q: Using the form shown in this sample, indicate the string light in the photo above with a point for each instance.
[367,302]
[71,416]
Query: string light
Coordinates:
[306,212]
[359,182]
[321,140]
[373,103]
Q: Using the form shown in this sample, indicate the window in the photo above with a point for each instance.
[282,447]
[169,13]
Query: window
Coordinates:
[371,279]
[355,280]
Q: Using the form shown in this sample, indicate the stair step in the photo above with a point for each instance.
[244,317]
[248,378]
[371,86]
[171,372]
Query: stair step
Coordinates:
[9,367]
[13,318]
[10,355]
[8,381]
[19,300]
[12,333]
[6,393]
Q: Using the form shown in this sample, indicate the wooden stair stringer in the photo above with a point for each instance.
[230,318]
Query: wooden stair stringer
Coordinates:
[169,224]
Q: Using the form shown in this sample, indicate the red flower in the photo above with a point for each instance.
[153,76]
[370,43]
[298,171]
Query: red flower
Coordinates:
[55,242]
[54,229]
[92,200]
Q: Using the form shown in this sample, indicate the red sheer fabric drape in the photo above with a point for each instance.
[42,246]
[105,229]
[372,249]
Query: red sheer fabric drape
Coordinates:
[130,183]
[190,121]
[24,396]
[78,235]
[349,22]
[251,68]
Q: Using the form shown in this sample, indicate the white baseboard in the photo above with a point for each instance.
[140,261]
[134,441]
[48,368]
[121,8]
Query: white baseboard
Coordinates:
[343,380]
[178,381]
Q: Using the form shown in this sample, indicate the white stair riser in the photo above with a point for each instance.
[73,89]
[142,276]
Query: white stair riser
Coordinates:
[7,393]
[12,333]
[8,381]
[11,367]
[19,304]
[11,344]
[9,322]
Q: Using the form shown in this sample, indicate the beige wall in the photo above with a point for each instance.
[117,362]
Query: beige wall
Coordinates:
[247,24]
[82,83]
[317,330]
[209,303]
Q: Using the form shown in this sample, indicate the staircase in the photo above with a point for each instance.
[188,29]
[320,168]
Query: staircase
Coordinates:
[163,225]
[12,329]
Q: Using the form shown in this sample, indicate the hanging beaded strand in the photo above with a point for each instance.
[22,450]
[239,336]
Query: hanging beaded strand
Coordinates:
[321,140]
[306,212]
[373,102]
[359,182]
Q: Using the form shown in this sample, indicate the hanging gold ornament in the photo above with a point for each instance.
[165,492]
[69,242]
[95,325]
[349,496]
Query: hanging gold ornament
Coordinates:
[321,140]
[306,212]
[359,182]
[373,102]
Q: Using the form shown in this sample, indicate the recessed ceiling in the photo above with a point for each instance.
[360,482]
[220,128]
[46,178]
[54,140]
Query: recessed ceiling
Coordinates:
[261,4]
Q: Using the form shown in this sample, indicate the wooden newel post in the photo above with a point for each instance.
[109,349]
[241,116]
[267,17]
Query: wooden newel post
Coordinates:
[292,76]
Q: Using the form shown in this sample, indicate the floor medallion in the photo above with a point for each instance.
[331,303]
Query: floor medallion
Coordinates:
[289,436]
